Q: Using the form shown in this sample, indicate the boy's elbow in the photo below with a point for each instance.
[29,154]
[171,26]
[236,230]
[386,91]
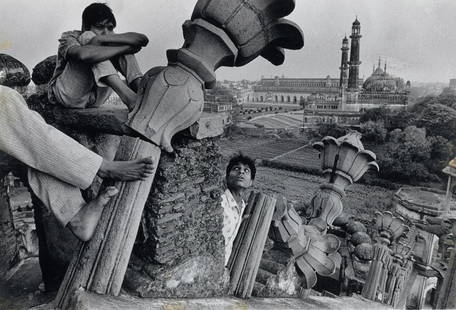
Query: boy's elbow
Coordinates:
[81,55]
[85,58]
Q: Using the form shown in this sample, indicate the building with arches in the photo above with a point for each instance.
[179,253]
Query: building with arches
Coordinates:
[337,100]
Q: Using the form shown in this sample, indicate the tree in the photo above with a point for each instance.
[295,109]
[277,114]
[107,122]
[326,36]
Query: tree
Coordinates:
[333,130]
[373,131]
[406,154]
[402,119]
[448,99]
[442,151]
[376,114]
[439,120]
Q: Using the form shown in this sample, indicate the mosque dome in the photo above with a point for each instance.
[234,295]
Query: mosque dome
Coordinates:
[382,81]
[13,73]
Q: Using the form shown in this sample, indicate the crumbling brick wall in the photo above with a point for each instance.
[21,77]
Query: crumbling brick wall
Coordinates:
[182,223]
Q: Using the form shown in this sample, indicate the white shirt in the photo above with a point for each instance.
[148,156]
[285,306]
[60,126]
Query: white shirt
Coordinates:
[232,218]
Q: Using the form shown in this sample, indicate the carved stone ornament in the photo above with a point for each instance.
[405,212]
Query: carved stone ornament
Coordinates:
[171,98]
[389,229]
[343,161]
[312,251]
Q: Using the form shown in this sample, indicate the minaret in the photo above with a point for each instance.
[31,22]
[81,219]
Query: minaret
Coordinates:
[354,55]
[344,64]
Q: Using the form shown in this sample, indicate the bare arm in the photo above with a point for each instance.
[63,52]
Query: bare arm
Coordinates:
[127,38]
[94,54]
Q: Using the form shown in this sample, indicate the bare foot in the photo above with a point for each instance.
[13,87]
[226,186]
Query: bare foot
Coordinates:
[83,224]
[139,169]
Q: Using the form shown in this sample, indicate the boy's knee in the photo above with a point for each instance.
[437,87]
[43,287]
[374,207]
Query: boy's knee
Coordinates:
[11,99]
[86,37]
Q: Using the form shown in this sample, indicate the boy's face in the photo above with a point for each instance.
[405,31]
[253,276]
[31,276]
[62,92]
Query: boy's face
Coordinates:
[239,177]
[102,28]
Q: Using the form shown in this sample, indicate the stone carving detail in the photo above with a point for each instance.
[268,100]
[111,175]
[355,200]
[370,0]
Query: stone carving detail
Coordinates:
[312,251]
[343,162]
[398,273]
[381,278]
[237,32]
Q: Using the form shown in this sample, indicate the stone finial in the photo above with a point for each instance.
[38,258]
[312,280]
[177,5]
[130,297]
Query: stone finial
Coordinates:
[343,161]
[221,33]
[345,157]
[255,26]
[389,226]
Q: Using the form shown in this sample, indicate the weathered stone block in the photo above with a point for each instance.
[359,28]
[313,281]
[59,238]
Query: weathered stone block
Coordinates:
[184,236]
[179,280]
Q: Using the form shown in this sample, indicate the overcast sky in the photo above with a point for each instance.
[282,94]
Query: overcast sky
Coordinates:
[417,38]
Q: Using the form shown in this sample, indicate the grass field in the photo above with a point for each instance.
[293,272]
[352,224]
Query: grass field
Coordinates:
[259,148]
[285,120]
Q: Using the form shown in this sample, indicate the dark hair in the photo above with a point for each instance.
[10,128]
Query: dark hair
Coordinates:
[95,13]
[242,159]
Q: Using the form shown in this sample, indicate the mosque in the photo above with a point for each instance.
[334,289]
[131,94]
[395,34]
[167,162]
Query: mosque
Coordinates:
[337,100]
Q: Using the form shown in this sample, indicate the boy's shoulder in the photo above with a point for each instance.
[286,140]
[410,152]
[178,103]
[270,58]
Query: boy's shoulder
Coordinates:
[70,34]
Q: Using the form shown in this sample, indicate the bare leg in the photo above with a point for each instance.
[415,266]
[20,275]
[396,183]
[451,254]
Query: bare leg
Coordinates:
[138,169]
[126,94]
[83,224]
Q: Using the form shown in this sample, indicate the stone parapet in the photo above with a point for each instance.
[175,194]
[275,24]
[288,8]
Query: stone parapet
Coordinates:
[180,250]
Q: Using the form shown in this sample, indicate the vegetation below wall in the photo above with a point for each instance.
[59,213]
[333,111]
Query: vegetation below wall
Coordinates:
[412,146]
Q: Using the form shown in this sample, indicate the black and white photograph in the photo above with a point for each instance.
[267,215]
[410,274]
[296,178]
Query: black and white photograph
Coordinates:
[227,154]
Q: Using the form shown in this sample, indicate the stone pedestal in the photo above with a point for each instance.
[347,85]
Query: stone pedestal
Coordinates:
[179,251]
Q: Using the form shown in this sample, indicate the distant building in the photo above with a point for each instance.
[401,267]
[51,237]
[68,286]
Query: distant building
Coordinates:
[216,102]
[293,90]
[337,100]
[451,90]
[453,84]
[219,100]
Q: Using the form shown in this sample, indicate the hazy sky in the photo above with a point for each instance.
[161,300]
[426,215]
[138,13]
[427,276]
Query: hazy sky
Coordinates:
[417,38]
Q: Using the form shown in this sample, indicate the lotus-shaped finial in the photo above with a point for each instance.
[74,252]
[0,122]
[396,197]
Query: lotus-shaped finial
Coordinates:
[390,226]
[344,159]
[255,26]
